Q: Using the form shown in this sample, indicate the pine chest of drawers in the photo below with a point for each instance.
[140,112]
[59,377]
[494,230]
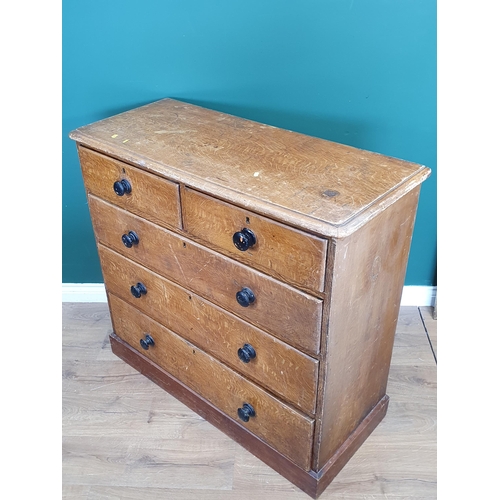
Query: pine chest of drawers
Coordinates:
[254,273]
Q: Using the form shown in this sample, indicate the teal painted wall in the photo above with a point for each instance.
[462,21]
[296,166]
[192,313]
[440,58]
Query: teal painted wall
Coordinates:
[358,72]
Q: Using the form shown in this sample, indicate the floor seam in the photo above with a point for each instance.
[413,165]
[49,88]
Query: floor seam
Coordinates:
[427,333]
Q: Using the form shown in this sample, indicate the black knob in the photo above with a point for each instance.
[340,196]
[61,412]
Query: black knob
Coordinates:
[246,412]
[246,353]
[122,187]
[130,239]
[146,342]
[244,239]
[245,297]
[138,290]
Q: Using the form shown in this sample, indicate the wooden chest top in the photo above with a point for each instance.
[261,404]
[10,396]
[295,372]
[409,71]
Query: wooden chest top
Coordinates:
[311,183]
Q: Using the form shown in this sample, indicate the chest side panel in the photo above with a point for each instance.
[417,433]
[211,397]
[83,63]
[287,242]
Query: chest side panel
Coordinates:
[368,278]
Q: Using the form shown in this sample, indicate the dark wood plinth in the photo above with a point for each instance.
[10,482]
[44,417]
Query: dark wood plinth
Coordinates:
[313,483]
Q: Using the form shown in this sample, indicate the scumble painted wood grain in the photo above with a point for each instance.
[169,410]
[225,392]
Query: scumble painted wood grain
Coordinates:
[281,310]
[152,197]
[369,273]
[277,366]
[218,171]
[285,429]
[279,173]
[284,252]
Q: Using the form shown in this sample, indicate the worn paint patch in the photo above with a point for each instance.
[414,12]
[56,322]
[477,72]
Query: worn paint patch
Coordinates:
[330,193]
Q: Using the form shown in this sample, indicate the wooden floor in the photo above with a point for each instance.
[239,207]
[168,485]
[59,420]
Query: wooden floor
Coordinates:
[125,438]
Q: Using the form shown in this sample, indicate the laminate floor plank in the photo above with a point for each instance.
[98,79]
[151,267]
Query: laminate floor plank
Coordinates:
[85,332]
[430,325]
[75,491]
[148,462]
[137,493]
[409,320]
[125,438]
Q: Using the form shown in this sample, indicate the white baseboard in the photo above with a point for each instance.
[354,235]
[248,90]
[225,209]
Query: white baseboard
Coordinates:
[418,296]
[94,292]
[83,292]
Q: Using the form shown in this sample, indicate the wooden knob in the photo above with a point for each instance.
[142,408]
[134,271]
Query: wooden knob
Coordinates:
[130,239]
[246,412]
[138,290]
[146,342]
[245,297]
[122,187]
[246,353]
[244,239]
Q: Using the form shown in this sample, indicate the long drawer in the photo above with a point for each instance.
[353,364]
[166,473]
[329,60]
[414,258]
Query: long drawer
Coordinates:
[285,312]
[284,428]
[277,366]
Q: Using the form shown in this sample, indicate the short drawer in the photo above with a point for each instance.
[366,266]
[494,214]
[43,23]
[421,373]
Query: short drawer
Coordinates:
[277,366]
[285,312]
[150,196]
[282,251]
[281,426]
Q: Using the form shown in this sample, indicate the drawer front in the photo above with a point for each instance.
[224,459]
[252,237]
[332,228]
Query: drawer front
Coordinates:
[277,366]
[150,196]
[283,311]
[284,252]
[282,427]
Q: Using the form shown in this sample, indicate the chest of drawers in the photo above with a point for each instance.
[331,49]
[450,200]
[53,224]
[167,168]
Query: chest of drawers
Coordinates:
[254,273]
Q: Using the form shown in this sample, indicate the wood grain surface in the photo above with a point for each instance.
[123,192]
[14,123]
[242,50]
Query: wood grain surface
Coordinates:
[278,367]
[152,197]
[314,183]
[286,253]
[124,438]
[333,293]
[369,271]
[283,311]
[285,429]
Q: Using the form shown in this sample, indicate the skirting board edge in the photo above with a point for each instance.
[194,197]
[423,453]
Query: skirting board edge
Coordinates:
[95,292]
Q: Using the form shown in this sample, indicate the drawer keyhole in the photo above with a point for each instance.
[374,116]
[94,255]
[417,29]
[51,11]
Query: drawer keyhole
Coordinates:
[244,239]
[130,239]
[122,187]
[246,353]
[138,290]
[147,341]
[245,297]
[246,412]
